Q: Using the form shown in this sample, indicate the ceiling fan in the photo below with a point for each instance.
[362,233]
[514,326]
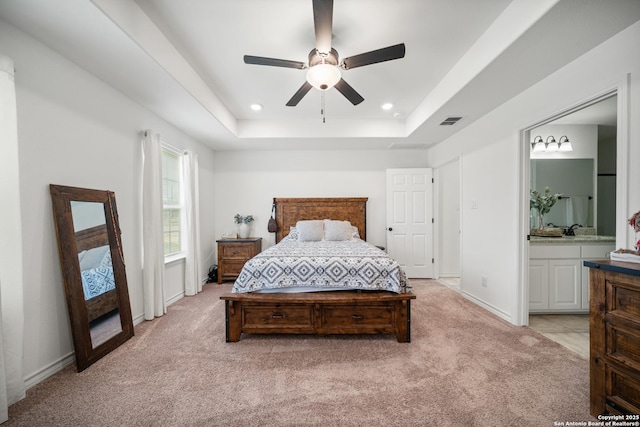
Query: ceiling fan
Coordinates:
[323,68]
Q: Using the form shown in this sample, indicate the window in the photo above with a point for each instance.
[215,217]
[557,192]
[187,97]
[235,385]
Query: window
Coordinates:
[172,201]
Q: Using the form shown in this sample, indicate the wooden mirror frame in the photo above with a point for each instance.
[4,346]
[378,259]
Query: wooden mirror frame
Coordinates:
[61,197]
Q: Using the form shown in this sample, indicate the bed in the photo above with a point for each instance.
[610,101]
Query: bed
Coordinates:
[96,271]
[331,285]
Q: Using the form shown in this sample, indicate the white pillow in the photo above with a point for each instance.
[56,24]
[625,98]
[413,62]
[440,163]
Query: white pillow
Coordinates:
[310,231]
[337,230]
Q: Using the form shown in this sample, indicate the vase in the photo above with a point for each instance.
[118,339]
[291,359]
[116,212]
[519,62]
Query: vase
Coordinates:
[243,230]
[540,221]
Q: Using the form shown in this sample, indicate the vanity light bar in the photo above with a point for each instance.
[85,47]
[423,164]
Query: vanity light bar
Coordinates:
[550,145]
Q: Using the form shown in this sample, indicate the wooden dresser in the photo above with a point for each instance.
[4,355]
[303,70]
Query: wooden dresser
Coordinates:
[614,323]
[233,253]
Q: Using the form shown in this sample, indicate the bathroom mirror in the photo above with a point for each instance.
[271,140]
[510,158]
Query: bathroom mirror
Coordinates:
[93,270]
[575,180]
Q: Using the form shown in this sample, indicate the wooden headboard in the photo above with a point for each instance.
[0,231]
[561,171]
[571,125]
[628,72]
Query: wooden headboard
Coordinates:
[92,237]
[290,211]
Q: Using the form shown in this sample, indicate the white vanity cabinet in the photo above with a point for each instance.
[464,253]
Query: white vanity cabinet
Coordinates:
[557,280]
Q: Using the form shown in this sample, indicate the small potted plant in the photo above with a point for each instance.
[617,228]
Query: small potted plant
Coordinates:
[244,225]
[542,202]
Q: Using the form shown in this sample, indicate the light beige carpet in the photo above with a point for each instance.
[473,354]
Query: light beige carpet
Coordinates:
[464,367]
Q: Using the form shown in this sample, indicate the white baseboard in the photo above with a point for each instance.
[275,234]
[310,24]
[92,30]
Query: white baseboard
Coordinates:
[500,313]
[48,371]
[175,298]
[60,364]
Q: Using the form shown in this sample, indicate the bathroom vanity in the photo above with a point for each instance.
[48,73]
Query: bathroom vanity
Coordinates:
[558,281]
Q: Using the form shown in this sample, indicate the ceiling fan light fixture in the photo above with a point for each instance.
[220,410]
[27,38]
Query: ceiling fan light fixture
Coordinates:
[323,76]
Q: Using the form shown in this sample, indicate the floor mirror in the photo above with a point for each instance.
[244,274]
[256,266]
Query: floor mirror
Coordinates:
[93,270]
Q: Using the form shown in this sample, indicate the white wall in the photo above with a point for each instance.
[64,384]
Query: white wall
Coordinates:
[490,150]
[247,182]
[75,130]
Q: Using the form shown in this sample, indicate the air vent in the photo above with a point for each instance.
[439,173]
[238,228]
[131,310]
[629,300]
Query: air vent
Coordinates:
[450,121]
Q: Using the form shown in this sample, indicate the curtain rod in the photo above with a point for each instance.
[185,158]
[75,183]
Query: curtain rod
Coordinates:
[167,145]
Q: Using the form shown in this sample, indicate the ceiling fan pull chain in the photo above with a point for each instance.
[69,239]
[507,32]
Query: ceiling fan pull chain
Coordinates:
[322,108]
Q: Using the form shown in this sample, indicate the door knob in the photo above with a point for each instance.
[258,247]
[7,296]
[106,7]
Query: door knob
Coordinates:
[390,229]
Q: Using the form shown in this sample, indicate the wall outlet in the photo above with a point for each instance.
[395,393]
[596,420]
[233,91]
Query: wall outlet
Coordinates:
[484,281]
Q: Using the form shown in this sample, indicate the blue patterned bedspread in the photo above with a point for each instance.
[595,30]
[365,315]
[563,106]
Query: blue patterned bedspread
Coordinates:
[97,271]
[296,266]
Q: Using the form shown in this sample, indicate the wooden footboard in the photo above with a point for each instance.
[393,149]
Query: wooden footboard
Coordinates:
[318,313]
[102,304]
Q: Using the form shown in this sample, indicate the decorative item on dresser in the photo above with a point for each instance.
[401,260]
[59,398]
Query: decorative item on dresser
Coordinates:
[320,278]
[244,225]
[233,253]
[614,323]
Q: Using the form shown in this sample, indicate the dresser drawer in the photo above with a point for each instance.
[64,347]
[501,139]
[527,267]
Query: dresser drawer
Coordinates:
[623,392]
[623,345]
[232,268]
[237,251]
[366,316]
[266,316]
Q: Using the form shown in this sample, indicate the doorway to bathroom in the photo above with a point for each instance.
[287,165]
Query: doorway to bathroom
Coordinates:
[582,222]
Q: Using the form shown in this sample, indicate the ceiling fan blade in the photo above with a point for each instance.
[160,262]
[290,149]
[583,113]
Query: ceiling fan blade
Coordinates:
[306,87]
[261,60]
[323,24]
[385,54]
[349,92]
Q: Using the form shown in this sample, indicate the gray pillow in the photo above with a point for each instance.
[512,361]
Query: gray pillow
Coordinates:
[337,230]
[310,231]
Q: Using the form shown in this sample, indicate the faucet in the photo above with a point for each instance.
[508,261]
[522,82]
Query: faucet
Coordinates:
[570,230]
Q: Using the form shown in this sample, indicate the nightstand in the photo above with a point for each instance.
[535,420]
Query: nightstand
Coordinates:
[233,253]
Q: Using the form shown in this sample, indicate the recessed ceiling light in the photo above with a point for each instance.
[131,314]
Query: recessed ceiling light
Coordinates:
[256,107]
[387,106]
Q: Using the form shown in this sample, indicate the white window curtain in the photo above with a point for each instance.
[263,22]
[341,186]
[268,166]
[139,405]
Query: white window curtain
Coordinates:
[192,269]
[153,298]
[11,265]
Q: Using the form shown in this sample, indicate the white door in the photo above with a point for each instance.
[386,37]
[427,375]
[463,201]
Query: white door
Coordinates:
[410,220]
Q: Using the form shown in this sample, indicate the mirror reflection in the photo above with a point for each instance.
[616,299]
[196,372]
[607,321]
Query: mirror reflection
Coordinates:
[96,270]
[574,179]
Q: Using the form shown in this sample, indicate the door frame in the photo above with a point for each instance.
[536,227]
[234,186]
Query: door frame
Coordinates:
[437,198]
[521,303]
